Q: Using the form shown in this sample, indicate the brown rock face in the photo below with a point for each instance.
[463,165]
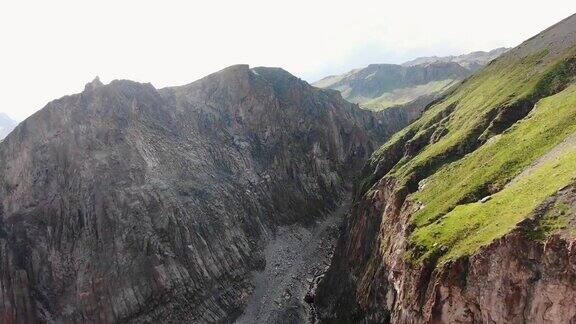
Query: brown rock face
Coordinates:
[516,279]
[127,203]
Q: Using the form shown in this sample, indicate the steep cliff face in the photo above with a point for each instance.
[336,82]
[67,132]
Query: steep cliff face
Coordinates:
[128,203]
[467,215]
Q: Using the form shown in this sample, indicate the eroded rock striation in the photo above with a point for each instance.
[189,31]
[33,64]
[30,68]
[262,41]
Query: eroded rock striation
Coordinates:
[125,203]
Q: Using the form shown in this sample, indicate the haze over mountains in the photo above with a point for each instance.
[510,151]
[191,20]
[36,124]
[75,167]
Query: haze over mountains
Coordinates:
[7,124]
[250,196]
[379,86]
[472,61]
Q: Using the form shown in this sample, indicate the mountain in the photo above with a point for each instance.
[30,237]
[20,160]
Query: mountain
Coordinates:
[472,61]
[380,86]
[126,203]
[7,124]
[469,214]
[250,196]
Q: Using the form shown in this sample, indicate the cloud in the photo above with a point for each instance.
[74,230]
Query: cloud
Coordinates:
[52,48]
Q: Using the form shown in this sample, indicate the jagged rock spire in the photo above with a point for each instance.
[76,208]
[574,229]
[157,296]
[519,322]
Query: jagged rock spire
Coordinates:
[96,83]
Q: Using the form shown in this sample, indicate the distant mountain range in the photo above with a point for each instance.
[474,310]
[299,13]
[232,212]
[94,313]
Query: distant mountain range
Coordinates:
[380,86]
[472,61]
[7,124]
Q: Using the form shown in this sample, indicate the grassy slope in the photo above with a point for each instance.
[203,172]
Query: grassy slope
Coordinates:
[448,225]
[406,95]
[443,225]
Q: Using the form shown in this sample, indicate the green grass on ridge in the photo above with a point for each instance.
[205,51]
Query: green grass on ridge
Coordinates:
[470,226]
[502,83]
[443,223]
[447,147]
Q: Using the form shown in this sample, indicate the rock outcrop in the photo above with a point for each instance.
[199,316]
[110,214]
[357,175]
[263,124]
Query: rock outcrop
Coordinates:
[125,203]
[515,279]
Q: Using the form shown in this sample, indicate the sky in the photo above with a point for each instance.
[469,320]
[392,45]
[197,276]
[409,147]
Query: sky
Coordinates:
[49,49]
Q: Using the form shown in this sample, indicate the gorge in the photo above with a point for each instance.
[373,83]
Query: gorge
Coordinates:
[251,196]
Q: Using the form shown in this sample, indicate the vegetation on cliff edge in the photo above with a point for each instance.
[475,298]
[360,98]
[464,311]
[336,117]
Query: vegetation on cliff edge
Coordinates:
[473,143]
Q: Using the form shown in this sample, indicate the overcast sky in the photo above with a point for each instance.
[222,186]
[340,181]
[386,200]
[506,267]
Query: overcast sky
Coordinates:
[52,48]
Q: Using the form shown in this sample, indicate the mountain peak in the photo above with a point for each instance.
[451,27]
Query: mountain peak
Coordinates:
[245,150]
[274,74]
[94,84]
[555,39]
[236,69]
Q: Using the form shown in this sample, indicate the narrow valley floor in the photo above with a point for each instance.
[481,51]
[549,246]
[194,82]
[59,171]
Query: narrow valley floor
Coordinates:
[295,256]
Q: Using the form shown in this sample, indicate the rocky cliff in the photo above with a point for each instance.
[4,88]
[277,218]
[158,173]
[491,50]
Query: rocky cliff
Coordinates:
[467,215]
[125,203]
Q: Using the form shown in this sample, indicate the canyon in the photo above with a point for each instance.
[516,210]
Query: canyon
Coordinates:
[438,191]
[125,203]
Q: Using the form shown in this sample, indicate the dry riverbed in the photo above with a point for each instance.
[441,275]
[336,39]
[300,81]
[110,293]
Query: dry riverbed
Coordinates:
[295,257]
